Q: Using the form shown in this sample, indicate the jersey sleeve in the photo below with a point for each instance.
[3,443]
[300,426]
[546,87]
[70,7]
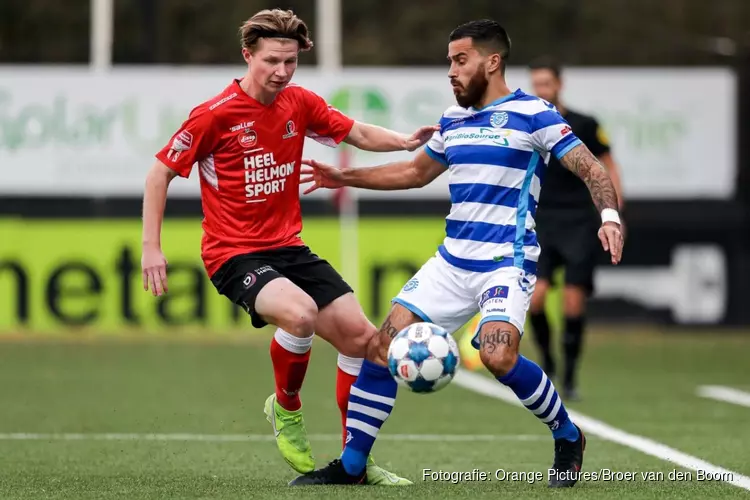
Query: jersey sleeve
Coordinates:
[552,134]
[193,142]
[326,124]
[597,140]
[435,148]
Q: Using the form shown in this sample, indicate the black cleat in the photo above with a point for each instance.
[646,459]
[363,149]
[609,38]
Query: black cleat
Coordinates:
[333,473]
[568,461]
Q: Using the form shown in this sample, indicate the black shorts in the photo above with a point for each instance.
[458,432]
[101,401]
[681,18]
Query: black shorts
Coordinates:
[570,242]
[242,277]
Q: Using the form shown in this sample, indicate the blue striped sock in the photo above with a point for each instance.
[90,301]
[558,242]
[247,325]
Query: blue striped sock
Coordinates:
[370,402]
[538,394]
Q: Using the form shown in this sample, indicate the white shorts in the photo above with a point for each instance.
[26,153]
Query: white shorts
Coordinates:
[448,296]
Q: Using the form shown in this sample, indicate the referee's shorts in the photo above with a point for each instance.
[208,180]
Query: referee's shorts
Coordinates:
[569,241]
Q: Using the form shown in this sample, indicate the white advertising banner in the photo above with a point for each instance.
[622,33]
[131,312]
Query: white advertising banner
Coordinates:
[67,131]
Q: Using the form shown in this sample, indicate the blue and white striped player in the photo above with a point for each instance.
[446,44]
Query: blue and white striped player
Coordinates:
[495,145]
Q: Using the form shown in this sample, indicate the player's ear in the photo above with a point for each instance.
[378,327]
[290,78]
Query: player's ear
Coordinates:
[246,55]
[493,63]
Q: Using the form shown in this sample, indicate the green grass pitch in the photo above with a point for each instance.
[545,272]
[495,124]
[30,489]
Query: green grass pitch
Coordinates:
[642,382]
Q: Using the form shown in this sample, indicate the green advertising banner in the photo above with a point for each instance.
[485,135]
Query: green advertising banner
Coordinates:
[84,275]
[95,135]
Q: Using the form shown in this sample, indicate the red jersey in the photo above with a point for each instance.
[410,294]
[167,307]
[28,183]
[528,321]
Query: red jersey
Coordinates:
[249,157]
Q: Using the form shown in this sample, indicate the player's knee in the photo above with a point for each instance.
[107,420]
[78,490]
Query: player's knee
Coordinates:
[362,341]
[300,318]
[358,343]
[537,305]
[538,299]
[574,301]
[499,362]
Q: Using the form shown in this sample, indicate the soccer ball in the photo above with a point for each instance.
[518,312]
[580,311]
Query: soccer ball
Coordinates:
[423,358]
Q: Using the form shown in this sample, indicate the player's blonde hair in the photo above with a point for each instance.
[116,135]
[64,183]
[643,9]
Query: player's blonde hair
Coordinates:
[275,23]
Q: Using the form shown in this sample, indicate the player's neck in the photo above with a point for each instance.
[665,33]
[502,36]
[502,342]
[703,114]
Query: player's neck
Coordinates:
[560,107]
[493,93]
[256,92]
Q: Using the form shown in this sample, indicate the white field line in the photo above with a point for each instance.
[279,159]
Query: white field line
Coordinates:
[221,438]
[489,387]
[726,394]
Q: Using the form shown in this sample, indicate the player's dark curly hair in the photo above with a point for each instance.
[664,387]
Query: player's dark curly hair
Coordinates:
[488,35]
[275,23]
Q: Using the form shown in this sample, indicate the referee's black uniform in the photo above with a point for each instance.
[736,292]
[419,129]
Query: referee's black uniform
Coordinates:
[566,219]
[567,224]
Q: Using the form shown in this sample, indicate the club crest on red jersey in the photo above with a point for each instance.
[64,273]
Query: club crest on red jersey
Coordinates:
[248,138]
[291,130]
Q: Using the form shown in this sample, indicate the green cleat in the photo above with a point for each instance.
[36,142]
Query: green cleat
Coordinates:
[291,435]
[381,477]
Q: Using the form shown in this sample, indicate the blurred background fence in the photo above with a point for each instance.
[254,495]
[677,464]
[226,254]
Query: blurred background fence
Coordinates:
[669,80]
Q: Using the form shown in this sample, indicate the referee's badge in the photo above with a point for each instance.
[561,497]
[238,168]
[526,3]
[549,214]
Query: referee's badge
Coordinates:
[499,119]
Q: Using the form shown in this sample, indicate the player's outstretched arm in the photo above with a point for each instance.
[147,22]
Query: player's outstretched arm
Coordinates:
[153,262]
[414,173]
[381,140]
[614,173]
[584,164]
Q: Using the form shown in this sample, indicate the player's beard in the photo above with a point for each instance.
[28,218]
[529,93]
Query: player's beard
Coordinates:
[474,90]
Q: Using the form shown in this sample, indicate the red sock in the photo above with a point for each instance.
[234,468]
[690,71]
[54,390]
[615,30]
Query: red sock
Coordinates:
[344,383]
[289,371]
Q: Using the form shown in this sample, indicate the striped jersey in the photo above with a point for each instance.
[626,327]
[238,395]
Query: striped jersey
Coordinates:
[496,157]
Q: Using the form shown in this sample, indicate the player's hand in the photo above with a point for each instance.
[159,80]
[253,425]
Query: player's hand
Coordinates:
[154,269]
[420,137]
[612,238]
[322,175]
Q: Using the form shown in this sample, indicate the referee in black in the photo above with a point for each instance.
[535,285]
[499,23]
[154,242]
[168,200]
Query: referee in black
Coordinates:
[567,225]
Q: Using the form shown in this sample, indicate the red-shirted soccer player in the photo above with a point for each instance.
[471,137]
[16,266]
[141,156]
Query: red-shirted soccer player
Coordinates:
[248,143]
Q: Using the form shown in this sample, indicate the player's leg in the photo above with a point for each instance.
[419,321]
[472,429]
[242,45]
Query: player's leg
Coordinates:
[549,260]
[540,325]
[433,295]
[574,307]
[436,294]
[345,326]
[370,402]
[285,305]
[340,322]
[503,305]
[253,282]
[347,371]
[271,298]
[373,394]
[581,254]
